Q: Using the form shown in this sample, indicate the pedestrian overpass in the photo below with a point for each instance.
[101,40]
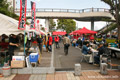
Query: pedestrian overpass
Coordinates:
[89,14]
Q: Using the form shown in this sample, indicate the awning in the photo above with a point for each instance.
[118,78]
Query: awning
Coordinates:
[84,31]
[9,25]
[59,33]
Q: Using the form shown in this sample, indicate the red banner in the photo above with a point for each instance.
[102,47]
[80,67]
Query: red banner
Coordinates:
[33,6]
[22,18]
[37,27]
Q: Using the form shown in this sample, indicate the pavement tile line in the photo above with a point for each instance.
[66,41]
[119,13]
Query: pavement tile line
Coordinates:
[88,75]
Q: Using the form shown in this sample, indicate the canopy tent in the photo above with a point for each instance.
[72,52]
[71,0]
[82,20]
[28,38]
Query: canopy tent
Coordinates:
[33,30]
[71,33]
[59,33]
[84,31]
[9,25]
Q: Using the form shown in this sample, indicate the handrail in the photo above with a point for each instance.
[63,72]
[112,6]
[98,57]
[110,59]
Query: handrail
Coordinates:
[68,10]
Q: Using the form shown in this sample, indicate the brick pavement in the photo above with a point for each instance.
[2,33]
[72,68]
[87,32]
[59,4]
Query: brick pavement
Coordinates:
[86,75]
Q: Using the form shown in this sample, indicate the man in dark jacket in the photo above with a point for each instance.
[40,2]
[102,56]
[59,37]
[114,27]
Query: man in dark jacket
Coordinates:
[40,40]
[101,50]
[13,44]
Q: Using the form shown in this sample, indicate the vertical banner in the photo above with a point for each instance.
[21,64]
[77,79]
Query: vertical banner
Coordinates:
[38,26]
[22,18]
[46,29]
[33,6]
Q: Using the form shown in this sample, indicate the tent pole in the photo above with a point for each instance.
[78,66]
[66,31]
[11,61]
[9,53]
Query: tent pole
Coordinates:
[24,43]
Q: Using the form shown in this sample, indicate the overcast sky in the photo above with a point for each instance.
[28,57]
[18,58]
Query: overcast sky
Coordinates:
[70,4]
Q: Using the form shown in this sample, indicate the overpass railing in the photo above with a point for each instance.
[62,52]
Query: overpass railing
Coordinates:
[68,10]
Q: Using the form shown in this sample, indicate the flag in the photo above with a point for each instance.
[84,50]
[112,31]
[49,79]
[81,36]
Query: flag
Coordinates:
[22,18]
[33,6]
[37,27]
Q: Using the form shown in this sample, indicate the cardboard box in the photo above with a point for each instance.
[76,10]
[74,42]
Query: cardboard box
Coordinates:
[17,64]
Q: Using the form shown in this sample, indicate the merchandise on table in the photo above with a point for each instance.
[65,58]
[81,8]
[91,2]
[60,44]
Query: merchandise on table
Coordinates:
[18,58]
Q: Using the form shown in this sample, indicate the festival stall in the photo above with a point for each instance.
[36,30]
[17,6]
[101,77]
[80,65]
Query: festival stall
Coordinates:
[71,33]
[25,52]
[9,25]
[84,31]
[59,33]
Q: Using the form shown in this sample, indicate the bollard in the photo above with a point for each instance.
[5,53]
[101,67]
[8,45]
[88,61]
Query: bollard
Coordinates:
[77,69]
[103,69]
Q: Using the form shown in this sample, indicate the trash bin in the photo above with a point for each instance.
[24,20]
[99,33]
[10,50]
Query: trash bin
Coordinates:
[6,71]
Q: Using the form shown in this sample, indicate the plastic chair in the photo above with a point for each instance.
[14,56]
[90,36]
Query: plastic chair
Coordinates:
[84,57]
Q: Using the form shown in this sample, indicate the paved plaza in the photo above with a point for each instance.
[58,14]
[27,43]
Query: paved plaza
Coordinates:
[67,62]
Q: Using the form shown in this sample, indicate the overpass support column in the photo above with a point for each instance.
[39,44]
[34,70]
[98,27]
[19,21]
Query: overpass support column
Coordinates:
[47,24]
[92,25]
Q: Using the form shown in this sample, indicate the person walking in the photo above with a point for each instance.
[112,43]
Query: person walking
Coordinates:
[40,41]
[66,42]
[57,41]
[49,43]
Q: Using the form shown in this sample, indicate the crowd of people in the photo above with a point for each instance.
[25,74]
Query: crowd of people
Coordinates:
[85,43]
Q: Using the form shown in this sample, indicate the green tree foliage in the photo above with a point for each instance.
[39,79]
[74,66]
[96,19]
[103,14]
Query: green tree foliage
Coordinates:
[115,7]
[115,10]
[5,9]
[68,25]
[112,26]
[51,25]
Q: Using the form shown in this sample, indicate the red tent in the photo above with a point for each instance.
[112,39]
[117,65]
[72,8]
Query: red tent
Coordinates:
[84,31]
[59,33]
[71,33]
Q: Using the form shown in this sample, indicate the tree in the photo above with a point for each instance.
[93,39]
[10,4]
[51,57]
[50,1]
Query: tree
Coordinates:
[68,25]
[5,9]
[51,25]
[115,10]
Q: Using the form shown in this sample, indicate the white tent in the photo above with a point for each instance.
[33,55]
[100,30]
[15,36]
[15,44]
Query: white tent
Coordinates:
[33,30]
[9,25]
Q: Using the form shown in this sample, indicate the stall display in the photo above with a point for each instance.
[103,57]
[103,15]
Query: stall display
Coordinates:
[18,62]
